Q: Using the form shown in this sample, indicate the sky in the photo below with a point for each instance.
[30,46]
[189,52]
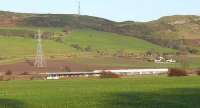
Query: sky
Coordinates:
[116,10]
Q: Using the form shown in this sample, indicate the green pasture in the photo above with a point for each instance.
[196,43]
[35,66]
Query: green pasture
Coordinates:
[13,47]
[137,92]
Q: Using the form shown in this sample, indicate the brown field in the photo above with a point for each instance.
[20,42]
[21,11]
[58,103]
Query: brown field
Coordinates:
[52,66]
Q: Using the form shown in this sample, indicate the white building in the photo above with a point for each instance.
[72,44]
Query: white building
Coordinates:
[163,60]
[97,73]
[58,75]
[137,71]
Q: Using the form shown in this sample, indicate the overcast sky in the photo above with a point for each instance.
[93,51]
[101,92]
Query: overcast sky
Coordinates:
[117,10]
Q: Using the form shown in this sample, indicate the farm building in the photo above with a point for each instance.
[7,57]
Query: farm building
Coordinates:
[163,60]
[58,75]
[137,71]
[97,73]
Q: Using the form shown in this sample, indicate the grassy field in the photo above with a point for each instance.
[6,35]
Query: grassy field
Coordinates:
[13,47]
[111,42]
[103,41]
[138,92]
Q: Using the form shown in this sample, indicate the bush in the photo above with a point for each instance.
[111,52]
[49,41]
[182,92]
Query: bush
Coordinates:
[88,49]
[76,46]
[60,39]
[109,75]
[177,72]
[1,78]
[67,69]
[192,50]
[198,72]
[9,72]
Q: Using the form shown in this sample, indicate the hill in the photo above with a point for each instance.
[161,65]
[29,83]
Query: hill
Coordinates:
[78,43]
[178,32]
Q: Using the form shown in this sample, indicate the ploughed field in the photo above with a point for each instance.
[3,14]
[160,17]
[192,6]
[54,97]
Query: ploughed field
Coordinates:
[137,92]
[54,66]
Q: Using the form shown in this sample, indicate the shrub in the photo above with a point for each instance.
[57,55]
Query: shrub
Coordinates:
[60,39]
[67,69]
[198,72]
[177,72]
[9,72]
[192,50]
[1,78]
[88,49]
[76,46]
[109,75]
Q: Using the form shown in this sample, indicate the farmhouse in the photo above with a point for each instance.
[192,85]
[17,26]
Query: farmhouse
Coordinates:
[97,73]
[163,60]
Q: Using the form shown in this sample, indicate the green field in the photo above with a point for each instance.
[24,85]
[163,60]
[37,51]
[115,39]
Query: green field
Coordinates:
[111,42]
[138,92]
[16,47]
[13,47]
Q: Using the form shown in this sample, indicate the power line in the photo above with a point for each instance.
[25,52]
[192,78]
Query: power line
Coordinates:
[39,59]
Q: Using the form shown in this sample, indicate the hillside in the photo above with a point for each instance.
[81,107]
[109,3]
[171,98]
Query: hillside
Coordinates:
[80,42]
[178,32]
[111,42]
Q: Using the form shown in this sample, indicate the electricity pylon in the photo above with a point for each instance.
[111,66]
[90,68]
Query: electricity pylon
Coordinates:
[39,59]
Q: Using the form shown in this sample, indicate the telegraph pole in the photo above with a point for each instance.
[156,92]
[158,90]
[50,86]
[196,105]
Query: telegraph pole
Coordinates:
[79,8]
[79,14]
